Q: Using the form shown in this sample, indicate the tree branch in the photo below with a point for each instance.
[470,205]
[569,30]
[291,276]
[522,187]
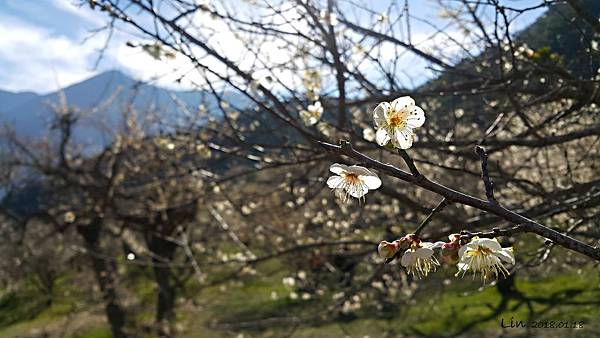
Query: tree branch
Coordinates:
[459,197]
[410,163]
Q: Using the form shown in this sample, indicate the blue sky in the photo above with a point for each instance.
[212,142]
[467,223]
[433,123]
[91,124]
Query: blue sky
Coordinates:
[42,44]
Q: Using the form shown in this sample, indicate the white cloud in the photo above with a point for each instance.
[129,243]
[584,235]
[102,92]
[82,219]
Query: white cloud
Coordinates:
[36,59]
[78,9]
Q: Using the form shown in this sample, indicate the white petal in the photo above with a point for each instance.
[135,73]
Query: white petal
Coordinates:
[337,168]
[432,245]
[335,182]
[403,102]
[424,252]
[382,137]
[380,114]
[462,250]
[359,170]
[372,181]
[415,118]
[506,255]
[403,138]
[408,258]
[491,243]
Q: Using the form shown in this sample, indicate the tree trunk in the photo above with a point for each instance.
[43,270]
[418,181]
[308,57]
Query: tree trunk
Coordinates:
[105,271]
[165,302]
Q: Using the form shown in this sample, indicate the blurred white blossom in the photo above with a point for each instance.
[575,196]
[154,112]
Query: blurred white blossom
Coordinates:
[312,114]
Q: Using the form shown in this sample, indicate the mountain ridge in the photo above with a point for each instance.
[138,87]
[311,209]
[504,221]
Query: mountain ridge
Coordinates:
[100,99]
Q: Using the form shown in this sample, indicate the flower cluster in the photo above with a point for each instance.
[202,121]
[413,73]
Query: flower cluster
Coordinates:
[395,122]
[480,255]
[417,257]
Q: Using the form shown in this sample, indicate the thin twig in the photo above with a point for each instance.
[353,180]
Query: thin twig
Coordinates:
[466,236]
[485,175]
[443,203]
[410,163]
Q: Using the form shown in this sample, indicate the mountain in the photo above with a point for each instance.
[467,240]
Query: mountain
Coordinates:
[99,103]
[10,100]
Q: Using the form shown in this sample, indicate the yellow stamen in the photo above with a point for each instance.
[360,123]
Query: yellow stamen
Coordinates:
[352,178]
[397,119]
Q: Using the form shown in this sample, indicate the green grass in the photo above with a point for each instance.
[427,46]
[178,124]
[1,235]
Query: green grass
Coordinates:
[463,305]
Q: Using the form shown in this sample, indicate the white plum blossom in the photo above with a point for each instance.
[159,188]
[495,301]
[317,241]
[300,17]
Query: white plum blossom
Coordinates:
[396,122]
[419,260]
[369,134]
[485,256]
[353,181]
[312,114]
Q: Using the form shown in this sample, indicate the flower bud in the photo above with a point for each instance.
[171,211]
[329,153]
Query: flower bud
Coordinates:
[454,238]
[449,253]
[406,241]
[387,250]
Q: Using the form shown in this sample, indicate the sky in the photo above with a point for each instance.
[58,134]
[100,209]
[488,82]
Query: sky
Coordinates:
[49,44]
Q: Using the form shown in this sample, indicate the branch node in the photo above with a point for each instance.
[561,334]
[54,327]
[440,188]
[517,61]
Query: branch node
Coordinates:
[345,145]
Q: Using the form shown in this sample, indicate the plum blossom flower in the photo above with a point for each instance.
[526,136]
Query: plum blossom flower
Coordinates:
[312,114]
[485,256]
[419,260]
[353,181]
[396,122]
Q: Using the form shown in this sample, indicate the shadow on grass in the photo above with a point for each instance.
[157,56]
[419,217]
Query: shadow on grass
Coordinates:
[509,293]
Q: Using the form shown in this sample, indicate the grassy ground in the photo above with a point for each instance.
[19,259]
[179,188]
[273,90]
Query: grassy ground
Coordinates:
[459,309]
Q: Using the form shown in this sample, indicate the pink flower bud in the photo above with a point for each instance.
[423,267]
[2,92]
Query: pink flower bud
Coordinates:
[387,250]
[454,238]
[449,253]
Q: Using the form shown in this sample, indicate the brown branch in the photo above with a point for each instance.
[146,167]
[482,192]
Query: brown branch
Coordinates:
[459,197]
[410,163]
[466,236]
[485,175]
